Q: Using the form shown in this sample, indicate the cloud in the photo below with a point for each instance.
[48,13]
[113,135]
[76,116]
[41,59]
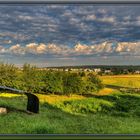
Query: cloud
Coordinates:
[108,19]
[68,24]
[109,48]
[21,17]
[102,11]
[2,50]
[128,47]
[16,49]
[57,50]
[31,48]
[82,49]
[7,41]
[60,27]
[35,48]
[91,17]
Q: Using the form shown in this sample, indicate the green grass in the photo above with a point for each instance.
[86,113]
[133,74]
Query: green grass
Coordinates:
[84,106]
[121,116]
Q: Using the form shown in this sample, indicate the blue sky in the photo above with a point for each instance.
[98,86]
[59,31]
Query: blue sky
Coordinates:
[56,35]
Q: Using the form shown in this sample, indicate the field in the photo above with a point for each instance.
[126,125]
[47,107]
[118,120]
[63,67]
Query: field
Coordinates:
[106,112]
[132,81]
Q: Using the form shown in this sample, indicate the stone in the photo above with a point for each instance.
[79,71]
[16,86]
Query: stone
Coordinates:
[3,110]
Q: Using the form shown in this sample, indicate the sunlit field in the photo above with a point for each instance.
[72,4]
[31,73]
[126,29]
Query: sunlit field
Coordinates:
[132,81]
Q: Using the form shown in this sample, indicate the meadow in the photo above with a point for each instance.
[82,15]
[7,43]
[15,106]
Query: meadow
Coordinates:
[132,81]
[107,112]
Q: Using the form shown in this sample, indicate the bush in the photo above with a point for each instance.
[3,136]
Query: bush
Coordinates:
[84,106]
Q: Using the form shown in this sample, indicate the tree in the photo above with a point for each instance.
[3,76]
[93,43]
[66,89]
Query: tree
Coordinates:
[92,84]
[8,74]
[53,82]
[72,83]
[30,79]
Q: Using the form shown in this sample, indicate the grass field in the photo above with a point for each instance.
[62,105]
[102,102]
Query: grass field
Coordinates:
[132,81]
[98,115]
[108,112]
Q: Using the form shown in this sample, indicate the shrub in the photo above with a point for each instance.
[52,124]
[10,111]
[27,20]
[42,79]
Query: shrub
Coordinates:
[84,106]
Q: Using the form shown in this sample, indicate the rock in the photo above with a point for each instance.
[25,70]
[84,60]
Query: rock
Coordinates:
[3,110]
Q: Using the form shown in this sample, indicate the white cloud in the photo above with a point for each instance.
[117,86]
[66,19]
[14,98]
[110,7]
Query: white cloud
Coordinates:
[2,50]
[128,47]
[91,17]
[126,18]
[108,19]
[102,11]
[41,48]
[82,49]
[31,48]
[22,17]
[16,49]
[7,41]
[74,20]
[35,48]
[53,49]
[102,49]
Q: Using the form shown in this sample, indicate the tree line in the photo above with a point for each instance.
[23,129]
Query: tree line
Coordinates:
[31,79]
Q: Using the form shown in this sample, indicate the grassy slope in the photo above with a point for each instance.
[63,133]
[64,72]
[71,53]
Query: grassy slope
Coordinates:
[105,113]
[124,118]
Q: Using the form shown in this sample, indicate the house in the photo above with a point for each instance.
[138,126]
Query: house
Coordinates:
[107,71]
[66,69]
[97,70]
[137,72]
[89,70]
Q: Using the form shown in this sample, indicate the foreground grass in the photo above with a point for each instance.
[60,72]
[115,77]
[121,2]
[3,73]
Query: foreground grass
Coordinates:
[121,116]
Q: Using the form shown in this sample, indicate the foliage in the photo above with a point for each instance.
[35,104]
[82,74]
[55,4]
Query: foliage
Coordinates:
[87,105]
[8,74]
[72,83]
[53,82]
[92,84]
[32,79]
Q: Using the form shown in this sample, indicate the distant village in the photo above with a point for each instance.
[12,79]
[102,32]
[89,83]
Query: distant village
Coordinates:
[106,70]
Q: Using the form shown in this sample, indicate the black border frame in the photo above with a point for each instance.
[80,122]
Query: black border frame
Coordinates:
[69,136]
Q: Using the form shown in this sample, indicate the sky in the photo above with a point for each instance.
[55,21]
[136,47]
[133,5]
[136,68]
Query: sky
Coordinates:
[70,34]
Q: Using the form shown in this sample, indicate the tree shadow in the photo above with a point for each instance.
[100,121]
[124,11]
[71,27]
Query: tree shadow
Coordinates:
[124,104]
[13,109]
[58,111]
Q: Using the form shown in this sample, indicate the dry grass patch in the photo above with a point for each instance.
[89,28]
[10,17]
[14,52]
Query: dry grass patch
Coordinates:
[9,95]
[51,99]
[106,91]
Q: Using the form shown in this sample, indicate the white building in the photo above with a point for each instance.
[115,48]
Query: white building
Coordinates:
[97,70]
[107,71]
